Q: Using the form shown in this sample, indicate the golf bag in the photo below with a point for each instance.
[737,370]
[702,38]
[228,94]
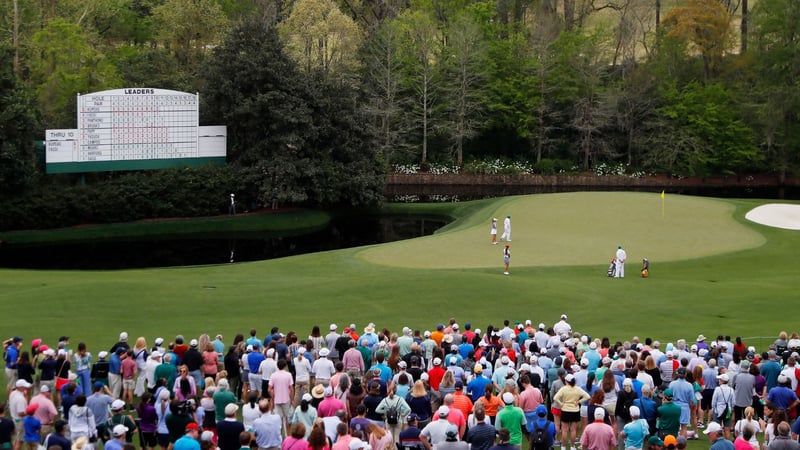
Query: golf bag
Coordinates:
[612,269]
[645,268]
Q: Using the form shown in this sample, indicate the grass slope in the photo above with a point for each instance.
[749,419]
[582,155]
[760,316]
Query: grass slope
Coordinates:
[744,292]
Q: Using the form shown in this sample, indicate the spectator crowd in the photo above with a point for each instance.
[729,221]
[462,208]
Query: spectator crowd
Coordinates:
[452,388]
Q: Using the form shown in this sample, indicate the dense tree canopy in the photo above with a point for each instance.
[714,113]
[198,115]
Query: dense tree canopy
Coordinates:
[321,96]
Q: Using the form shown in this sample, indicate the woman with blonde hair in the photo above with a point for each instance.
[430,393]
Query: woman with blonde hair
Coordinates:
[184,387]
[393,402]
[569,399]
[781,344]
[420,402]
[748,421]
[651,368]
[140,356]
[447,385]
[203,341]
[379,438]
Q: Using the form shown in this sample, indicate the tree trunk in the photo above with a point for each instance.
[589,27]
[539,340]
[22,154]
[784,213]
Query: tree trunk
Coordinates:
[425,120]
[658,14]
[15,37]
[569,15]
[744,26]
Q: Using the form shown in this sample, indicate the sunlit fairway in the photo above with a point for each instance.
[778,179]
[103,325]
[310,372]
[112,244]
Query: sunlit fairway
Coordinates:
[711,272]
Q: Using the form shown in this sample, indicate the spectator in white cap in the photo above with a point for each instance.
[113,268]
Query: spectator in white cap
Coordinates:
[405,341]
[122,343]
[722,403]
[598,435]
[100,369]
[330,341]
[229,429]
[117,438]
[193,360]
[158,345]
[302,378]
[305,413]
[716,435]
[17,403]
[222,398]
[428,344]
[436,373]
[119,417]
[569,399]
[562,327]
[635,431]
[150,369]
[323,368]
[541,337]
[46,412]
[329,404]
[499,375]
[782,396]
[357,444]
[436,431]
[511,418]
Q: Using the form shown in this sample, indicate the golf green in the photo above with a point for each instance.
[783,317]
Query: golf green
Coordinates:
[581,228]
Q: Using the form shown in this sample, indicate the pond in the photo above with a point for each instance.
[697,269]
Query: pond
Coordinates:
[168,251]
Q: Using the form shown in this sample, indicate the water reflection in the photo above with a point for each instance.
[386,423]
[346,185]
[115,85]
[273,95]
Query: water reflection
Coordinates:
[169,251]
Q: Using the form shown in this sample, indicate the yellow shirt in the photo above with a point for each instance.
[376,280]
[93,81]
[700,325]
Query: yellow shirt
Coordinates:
[569,398]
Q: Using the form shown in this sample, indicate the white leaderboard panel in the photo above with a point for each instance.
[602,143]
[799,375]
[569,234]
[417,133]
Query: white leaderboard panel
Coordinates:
[137,124]
[117,128]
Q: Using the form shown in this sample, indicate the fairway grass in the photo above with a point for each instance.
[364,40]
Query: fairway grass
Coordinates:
[745,282]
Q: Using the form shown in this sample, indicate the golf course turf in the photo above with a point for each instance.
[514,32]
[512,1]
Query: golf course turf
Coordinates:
[711,272]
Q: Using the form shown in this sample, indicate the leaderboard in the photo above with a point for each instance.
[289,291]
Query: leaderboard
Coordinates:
[137,124]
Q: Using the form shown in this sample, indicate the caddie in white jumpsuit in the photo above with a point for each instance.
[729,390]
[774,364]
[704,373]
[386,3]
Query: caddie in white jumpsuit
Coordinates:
[621,257]
[506,229]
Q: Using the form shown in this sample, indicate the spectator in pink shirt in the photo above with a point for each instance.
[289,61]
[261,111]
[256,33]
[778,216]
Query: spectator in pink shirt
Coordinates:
[598,435]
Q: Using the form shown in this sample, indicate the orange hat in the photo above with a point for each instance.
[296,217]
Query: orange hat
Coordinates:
[669,440]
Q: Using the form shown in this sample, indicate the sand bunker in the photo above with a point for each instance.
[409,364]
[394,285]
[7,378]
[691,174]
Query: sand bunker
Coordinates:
[776,215]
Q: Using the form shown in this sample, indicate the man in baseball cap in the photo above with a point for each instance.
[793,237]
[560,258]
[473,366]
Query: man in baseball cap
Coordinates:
[435,432]
[512,418]
[117,438]
[12,347]
[598,434]
[189,440]
[717,437]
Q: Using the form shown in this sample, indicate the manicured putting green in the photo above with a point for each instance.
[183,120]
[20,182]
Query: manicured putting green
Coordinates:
[581,228]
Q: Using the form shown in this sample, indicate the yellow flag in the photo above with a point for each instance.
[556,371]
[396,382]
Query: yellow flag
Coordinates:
[662,195]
